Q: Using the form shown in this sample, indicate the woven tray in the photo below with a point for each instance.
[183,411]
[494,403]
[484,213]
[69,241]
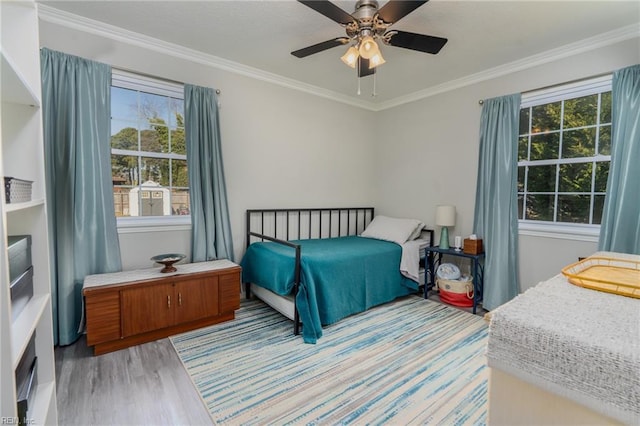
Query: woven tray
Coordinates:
[617,276]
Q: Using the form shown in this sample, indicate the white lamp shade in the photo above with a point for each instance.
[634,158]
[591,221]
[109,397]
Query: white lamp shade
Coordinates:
[445,215]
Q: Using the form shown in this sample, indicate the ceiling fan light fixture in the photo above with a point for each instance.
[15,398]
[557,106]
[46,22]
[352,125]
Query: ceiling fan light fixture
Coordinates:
[376,60]
[368,47]
[350,57]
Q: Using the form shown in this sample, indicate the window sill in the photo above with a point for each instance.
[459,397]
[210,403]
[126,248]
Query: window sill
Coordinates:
[562,231]
[131,225]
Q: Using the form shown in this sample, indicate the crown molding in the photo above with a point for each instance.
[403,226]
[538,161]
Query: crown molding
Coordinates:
[80,23]
[69,20]
[591,43]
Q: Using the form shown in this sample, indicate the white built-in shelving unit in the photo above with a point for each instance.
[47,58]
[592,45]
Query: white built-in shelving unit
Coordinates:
[22,156]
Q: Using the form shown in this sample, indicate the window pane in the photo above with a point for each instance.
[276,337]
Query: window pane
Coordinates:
[124,170]
[523,148]
[598,207]
[180,202]
[581,112]
[560,133]
[545,118]
[176,113]
[178,142]
[154,107]
[602,174]
[524,121]
[179,172]
[124,104]
[520,206]
[541,179]
[148,124]
[575,177]
[574,208]
[545,146]
[579,143]
[161,134]
[605,108]
[150,140]
[605,140]
[539,207]
[122,136]
[155,170]
[521,171]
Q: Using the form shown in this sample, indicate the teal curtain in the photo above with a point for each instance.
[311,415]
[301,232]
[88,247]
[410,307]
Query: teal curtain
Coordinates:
[76,97]
[210,224]
[496,210]
[620,228]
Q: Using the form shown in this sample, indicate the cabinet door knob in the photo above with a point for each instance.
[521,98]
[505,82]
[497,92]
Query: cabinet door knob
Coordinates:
[168,302]
[179,299]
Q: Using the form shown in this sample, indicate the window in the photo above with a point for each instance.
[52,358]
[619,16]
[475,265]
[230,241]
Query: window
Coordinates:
[564,151]
[148,151]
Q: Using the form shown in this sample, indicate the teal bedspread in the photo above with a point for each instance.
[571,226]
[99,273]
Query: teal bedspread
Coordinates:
[339,277]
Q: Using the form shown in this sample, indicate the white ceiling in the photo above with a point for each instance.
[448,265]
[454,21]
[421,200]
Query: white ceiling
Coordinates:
[483,35]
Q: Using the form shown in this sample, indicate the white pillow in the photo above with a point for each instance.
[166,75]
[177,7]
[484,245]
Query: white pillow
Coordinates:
[393,229]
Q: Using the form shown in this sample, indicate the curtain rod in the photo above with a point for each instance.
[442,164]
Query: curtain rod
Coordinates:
[481,101]
[168,80]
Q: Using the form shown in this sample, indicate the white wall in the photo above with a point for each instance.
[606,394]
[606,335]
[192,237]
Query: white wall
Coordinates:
[284,148]
[429,148]
[281,147]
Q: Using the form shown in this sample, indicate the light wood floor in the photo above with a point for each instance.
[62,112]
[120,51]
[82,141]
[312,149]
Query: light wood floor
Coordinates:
[142,385]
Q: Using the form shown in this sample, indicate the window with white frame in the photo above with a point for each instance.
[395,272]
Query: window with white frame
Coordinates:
[564,151]
[148,151]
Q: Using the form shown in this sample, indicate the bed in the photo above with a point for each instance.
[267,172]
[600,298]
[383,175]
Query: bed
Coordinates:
[562,354]
[316,267]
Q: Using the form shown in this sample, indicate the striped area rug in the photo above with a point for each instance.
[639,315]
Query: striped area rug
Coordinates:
[412,361]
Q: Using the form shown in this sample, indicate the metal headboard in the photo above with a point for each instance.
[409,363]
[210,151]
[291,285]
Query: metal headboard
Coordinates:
[306,223]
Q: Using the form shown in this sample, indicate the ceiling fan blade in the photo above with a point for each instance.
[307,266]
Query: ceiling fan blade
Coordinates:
[310,50]
[393,11]
[329,10]
[363,67]
[420,42]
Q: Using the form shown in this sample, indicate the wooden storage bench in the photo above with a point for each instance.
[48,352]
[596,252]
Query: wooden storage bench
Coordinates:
[132,307]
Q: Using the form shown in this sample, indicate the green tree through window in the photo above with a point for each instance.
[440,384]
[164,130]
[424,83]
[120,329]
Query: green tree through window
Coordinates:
[148,153]
[563,159]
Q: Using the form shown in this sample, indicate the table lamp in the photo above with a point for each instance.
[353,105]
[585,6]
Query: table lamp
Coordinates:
[445,216]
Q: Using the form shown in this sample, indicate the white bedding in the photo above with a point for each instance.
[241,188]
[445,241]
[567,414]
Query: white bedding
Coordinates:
[412,251]
[574,342]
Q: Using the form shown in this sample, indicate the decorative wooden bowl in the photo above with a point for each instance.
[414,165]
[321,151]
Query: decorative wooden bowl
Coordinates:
[168,260]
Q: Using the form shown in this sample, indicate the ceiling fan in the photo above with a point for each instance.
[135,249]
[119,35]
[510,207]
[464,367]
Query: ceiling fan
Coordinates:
[366,25]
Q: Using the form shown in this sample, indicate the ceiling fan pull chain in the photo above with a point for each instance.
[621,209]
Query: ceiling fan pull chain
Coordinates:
[374,94]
